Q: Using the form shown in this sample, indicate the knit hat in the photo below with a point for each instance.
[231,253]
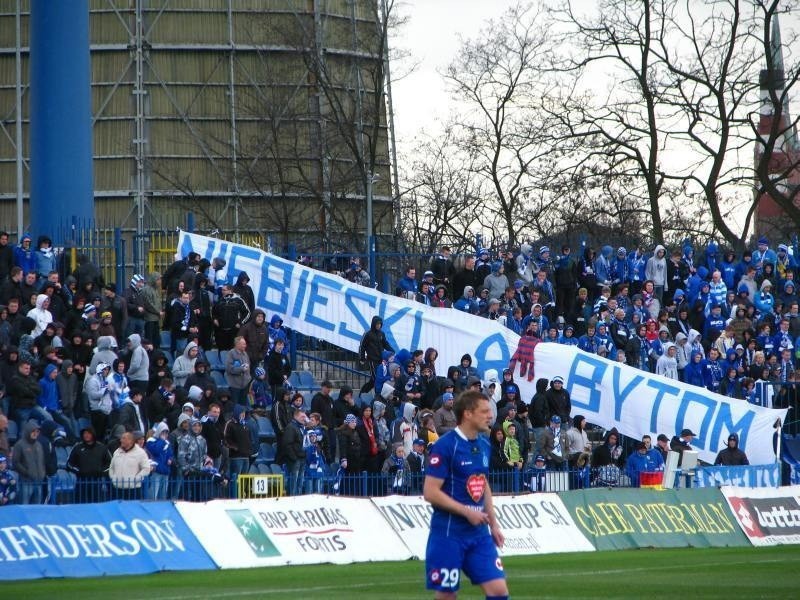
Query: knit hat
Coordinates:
[544,249]
[101,367]
[447,396]
[519,284]
[783,248]
[350,419]
[136,279]
[511,389]
[260,372]
[763,240]
[539,458]
[105,315]
[557,379]
[89,309]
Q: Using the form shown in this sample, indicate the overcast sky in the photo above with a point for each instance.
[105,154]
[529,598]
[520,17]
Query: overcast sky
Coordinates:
[431,36]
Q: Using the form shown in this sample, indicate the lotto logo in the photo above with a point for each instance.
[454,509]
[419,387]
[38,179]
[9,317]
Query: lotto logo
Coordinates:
[435,460]
[498,563]
[435,576]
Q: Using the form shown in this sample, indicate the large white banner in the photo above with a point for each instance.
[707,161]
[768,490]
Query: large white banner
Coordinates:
[606,393]
[292,531]
[768,517]
[531,524]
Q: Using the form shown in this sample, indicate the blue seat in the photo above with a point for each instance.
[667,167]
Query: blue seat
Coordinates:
[276,469]
[62,455]
[294,379]
[223,356]
[212,356]
[13,432]
[265,429]
[61,487]
[266,454]
[219,379]
[165,341]
[253,470]
[264,469]
[307,381]
[83,423]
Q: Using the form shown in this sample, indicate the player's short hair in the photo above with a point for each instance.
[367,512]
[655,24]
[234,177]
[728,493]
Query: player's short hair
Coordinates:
[467,400]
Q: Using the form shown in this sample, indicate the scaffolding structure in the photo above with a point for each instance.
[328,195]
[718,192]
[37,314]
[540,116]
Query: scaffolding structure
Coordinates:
[263,116]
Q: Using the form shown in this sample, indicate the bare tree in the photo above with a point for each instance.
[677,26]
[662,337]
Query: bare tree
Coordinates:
[497,79]
[441,204]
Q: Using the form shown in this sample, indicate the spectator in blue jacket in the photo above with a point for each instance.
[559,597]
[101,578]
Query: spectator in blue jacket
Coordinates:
[712,370]
[407,286]
[728,267]
[24,257]
[161,457]
[693,373]
[45,257]
[764,300]
[764,254]
[642,461]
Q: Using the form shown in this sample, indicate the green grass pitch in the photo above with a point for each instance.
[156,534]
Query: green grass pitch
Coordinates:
[675,573]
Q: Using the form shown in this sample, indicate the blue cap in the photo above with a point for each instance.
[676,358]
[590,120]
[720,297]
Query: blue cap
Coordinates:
[512,389]
[447,396]
[555,419]
[419,441]
[538,458]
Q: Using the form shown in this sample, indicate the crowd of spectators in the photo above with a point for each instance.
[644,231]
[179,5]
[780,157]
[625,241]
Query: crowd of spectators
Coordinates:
[726,322]
[126,381]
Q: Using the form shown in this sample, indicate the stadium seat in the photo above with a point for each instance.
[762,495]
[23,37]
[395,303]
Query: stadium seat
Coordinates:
[13,432]
[307,381]
[212,356]
[165,341]
[294,379]
[219,379]
[83,423]
[264,469]
[265,430]
[266,454]
[223,356]
[62,455]
[61,487]
[276,469]
[253,470]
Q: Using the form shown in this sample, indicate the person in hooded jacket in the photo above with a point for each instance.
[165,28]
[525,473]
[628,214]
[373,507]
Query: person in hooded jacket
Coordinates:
[237,440]
[24,256]
[732,455]
[184,364]
[539,413]
[49,401]
[656,271]
[693,373]
[667,363]
[201,376]
[257,337]
[373,345]
[138,364]
[40,314]
[712,371]
[162,455]
[243,289]
[89,460]
[29,463]
[159,368]
[202,305]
